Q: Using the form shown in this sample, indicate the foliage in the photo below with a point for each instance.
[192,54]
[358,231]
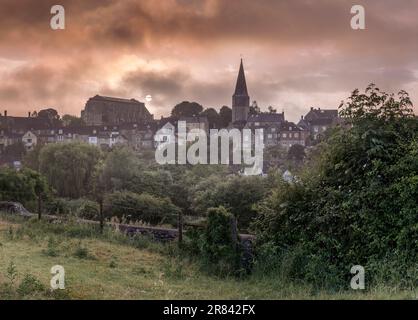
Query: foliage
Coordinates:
[21,186]
[186,109]
[236,193]
[69,167]
[213,117]
[358,200]
[72,121]
[140,207]
[225,115]
[220,248]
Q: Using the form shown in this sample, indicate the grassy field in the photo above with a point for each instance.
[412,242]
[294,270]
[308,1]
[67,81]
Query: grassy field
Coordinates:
[112,266]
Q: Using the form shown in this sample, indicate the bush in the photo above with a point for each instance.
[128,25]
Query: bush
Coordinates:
[30,285]
[358,199]
[221,247]
[81,208]
[140,207]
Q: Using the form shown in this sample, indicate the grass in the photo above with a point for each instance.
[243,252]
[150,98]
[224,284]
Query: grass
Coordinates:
[113,266]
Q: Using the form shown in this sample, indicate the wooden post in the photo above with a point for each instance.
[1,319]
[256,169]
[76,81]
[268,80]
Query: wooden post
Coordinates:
[39,206]
[180,227]
[101,215]
[234,230]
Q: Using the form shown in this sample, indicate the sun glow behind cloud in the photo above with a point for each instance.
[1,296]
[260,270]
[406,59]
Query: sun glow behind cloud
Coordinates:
[297,54]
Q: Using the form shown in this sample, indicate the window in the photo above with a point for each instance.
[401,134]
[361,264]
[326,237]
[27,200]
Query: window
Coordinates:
[29,140]
[273,129]
[269,136]
[284,135]
[296,135]
[257,124]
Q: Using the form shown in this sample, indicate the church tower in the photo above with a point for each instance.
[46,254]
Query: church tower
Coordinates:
[240,99]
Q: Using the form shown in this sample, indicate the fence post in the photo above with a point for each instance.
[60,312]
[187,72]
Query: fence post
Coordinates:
[180,227]
[39,206]
[101,215]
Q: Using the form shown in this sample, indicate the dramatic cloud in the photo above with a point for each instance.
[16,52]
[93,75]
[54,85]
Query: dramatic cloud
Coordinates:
[297,53]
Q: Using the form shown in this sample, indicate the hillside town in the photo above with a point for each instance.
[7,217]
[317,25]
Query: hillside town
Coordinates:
[109,121]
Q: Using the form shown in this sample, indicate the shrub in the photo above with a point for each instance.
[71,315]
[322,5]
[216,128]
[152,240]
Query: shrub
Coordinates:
[358,199]
[30,285]
[221,249]
[140,207]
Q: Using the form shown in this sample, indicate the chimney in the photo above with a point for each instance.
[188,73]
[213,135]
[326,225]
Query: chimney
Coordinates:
[28,114]
[5,113]
[301,117]
[311,108]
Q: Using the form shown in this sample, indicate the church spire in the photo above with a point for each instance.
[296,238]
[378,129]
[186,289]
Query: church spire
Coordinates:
[240,99]
[241,86]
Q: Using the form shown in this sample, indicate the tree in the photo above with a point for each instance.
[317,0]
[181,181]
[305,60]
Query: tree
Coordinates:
[296,152]
[72,121]
[225,115]
[213,117]
[237,194]
[254,109]
[357,200]
[31,158]
[51,115]
[186,109]
[272,110]
[69,167]
[22,186]
[220,242]
[119,167]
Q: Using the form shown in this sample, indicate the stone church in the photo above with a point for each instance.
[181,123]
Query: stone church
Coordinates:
[101,110]
[240,100]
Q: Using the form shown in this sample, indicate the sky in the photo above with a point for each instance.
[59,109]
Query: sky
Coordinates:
[297,53]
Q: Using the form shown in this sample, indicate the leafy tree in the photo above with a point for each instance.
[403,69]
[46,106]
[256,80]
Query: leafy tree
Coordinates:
[237,194]
[51,115]
[272,110]
[213,117]
[69,167]
[120,165]
[186,109]
[254,108]
[21,186]
[31,158]
[225,115]
[357,202]
[220,242]
[72,121]
[296,152]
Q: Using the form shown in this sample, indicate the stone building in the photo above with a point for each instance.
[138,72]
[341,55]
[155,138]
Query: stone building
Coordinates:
[101,110]
[240,100]
[317,121]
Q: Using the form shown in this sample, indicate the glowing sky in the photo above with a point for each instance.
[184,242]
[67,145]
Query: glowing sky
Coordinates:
[297,53]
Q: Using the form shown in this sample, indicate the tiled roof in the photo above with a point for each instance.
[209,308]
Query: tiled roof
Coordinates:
[266,117]
[321,114]
[113,99]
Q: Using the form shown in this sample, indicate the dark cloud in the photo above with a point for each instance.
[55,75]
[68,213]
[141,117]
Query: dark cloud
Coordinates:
[297,52]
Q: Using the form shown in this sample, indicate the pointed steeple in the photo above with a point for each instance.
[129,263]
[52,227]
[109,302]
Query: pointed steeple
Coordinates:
[241,86]
[240,99]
